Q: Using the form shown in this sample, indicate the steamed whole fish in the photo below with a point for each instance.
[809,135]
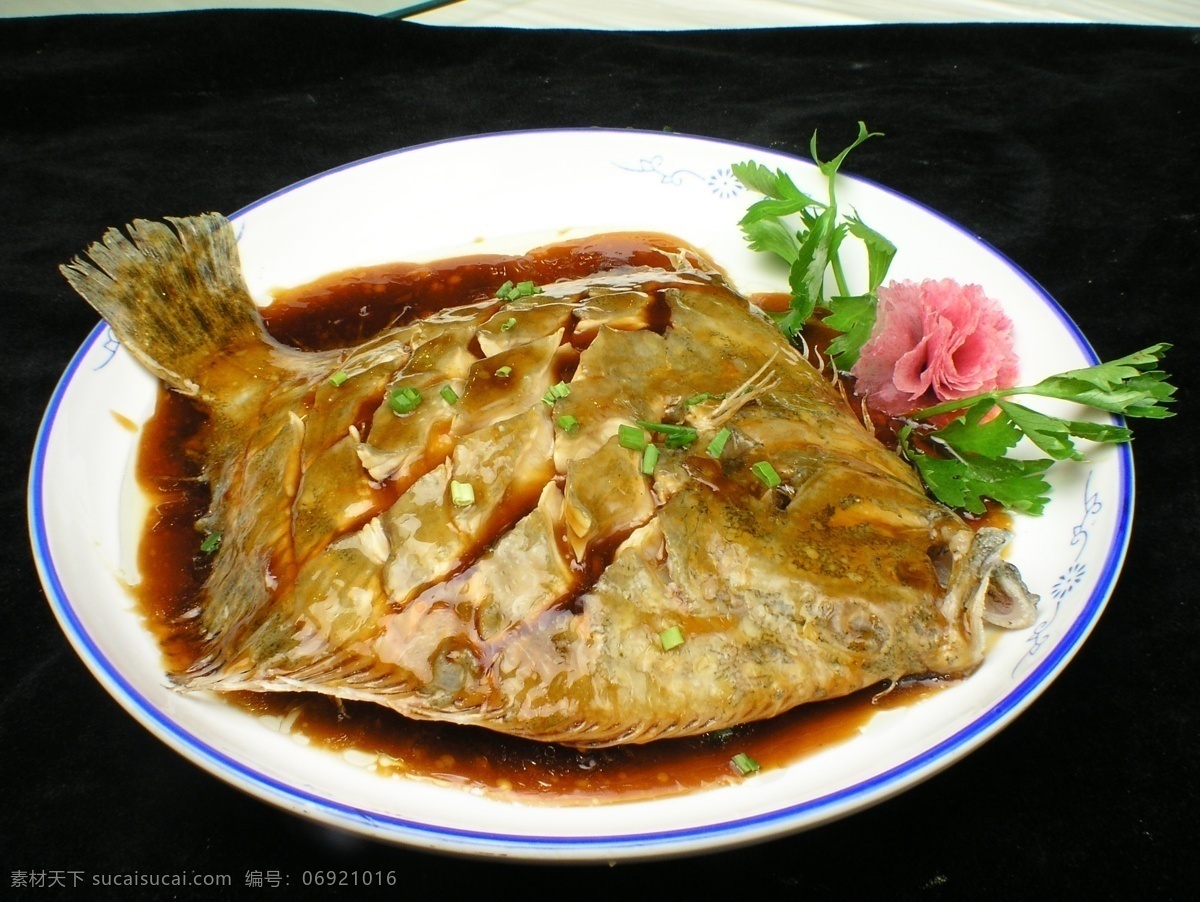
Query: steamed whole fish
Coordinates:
[487,551]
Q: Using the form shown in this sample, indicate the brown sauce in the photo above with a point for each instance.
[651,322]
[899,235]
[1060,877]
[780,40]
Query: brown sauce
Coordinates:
[342,310]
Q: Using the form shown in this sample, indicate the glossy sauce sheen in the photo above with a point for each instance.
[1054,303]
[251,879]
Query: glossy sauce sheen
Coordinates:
[343,310]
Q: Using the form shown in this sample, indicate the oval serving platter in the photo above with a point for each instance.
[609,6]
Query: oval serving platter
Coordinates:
[508,193]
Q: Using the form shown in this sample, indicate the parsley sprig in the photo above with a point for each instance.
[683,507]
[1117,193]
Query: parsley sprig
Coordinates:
[990,425]
[814,248]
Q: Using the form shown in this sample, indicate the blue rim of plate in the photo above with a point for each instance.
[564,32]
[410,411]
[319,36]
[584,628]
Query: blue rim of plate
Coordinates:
[704,837]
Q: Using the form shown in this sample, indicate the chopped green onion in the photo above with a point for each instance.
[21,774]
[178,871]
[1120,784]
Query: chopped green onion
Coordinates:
[462,493]
[698,399]
[649,459]
[676,436]
[507,325]
[404,400]
[745,764]
[631,437]
[510,292]
[568,424]
[717,445]
[561,390]
[719,737]
[449,395]
[338,378]
[766,474]
[671,638]
[211,542]
[504,372]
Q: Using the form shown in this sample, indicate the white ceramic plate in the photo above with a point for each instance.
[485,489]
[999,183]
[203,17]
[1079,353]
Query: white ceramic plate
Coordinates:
[509,193]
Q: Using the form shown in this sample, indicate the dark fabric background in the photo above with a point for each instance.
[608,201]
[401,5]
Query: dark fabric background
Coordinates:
[1071,149]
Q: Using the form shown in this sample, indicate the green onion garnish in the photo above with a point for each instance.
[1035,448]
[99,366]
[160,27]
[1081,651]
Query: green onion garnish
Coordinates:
[717,445]
[449,395]
[719,737]
[338,378]
[504,372]
[561,390]
[211,542]
[461,493]
[568,423]
[702,397]
[766,474]
[404,400]
[676,436]
[745,764]
[510,292]
[507,325]
[671,638]
[631,437]
[649,459]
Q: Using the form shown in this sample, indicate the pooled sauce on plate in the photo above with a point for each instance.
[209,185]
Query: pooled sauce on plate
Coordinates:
[343,310]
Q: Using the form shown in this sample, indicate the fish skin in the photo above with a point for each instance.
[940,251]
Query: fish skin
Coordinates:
[345,567]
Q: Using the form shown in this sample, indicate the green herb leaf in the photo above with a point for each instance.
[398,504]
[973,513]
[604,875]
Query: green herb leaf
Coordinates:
[1132,385]
[211,542]
[880,251]
[783,197]
[854,317]
[814,250]
[829,169]
[964,482]
[1053,435]
[968,435]
[773,236]
[807,275]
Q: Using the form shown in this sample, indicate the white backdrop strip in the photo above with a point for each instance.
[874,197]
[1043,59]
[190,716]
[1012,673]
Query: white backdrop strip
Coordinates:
[679,14]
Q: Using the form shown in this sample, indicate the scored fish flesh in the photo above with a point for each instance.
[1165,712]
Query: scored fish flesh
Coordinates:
[452,527]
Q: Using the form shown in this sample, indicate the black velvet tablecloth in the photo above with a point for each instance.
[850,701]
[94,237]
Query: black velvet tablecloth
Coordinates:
[1072,149]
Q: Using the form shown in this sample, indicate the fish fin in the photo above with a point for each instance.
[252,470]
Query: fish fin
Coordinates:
[174,297]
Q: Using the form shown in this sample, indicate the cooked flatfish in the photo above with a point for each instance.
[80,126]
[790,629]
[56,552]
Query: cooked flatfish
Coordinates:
[452,526]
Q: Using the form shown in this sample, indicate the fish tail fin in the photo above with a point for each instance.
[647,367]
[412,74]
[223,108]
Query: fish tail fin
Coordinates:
[173,297]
